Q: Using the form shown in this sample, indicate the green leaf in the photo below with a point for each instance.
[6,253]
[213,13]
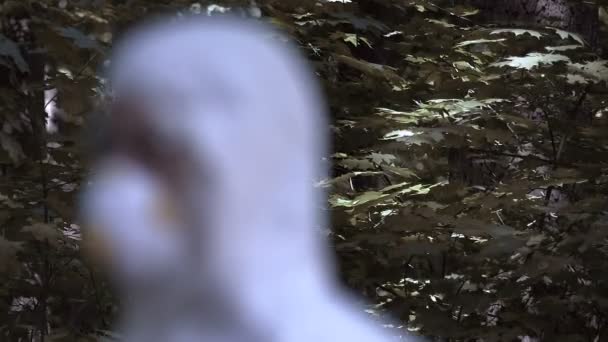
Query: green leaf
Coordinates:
[44,232]
[80,39]
[8,254]
[10,49]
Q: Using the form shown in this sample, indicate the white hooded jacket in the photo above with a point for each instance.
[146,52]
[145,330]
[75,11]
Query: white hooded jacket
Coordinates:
[247,261]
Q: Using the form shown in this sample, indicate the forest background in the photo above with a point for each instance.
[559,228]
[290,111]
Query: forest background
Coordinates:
[469,170]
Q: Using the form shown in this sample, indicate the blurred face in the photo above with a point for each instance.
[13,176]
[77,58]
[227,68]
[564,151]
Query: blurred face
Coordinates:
[135,138]
[137,141]
[175,200]
[138,219]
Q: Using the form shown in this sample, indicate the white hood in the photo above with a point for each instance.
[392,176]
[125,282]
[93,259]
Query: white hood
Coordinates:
[248,113]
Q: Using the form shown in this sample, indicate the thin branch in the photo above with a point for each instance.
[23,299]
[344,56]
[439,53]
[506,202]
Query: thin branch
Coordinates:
[506,154]
[79,73]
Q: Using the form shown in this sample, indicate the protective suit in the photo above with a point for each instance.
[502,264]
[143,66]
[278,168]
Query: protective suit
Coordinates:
[222,119]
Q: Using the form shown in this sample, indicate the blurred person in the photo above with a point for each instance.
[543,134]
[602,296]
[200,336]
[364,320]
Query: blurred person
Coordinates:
[205,204]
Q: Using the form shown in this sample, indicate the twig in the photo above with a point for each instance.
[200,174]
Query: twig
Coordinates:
[562,143]
[552,137]
[506,154]
[79,73]
[451,13]
[572,116]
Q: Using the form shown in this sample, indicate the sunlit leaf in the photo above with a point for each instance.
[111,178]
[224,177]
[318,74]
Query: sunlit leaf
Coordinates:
[479,41]
[518,32]
[532,60]
[596,70]
[565,35]
[562,47]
